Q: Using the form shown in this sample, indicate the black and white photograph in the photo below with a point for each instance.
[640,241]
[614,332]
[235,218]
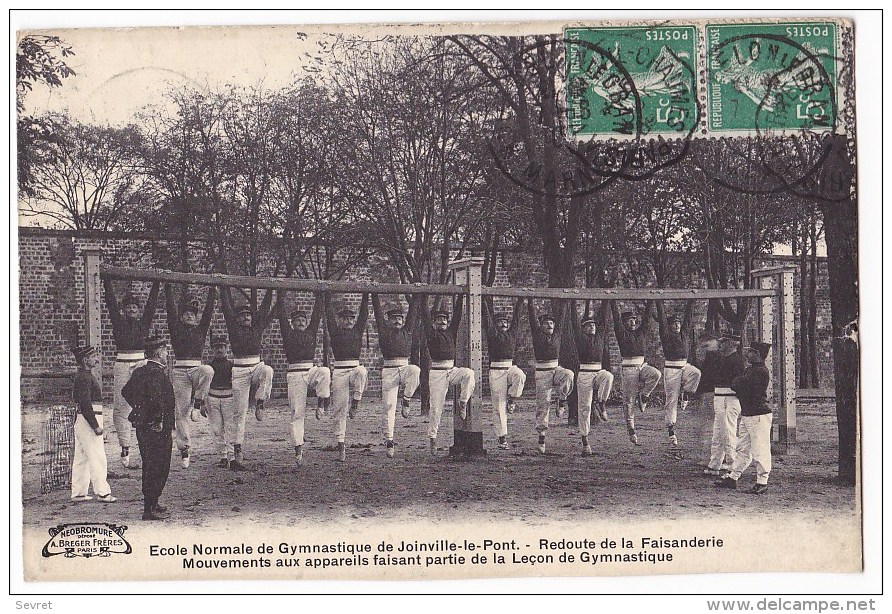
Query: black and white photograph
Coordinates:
[439,301]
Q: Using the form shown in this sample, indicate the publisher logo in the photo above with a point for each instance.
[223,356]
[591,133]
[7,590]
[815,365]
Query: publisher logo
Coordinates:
[86,539]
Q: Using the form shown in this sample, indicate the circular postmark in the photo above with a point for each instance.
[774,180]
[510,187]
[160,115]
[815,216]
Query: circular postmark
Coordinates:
[787,100]
[612,122]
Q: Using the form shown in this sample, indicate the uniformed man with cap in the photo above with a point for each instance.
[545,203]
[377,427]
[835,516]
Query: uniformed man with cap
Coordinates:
[728,364]
[299,333]
[506,380]
[220,407]
[546,335]
[639,379]
[191,379]
[593,383]
[395,340]
[348,378]
[89,465]
[680,378]
[250,375]
[150,394]
[441,334]
[130,326]
[754,442]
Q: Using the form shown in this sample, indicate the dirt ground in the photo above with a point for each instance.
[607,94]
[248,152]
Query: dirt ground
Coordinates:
[621,480]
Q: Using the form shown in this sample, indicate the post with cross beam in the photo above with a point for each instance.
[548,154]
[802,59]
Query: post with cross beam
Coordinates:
[468,272]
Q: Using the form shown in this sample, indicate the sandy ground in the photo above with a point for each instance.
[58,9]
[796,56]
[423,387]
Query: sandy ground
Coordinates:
[620,481]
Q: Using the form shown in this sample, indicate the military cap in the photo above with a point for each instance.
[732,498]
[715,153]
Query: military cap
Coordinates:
[589,318]
[761,348]
[83,351]
[153,343]
[129,299]
[345,312]
[219,340]
[394,310]
[441,312]
[629,314]
[503,316]
[245,309]
[298,313]
[194,305]
[546,316]
[673,317]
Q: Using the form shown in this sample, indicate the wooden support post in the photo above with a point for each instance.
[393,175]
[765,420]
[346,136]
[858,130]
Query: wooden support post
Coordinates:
[786,423]
[781,333]
[92,305]
[468,272]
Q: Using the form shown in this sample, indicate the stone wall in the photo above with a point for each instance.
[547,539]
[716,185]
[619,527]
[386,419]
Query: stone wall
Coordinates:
[51,303]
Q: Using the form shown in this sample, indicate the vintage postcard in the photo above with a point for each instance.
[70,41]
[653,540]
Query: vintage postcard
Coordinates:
[441,301]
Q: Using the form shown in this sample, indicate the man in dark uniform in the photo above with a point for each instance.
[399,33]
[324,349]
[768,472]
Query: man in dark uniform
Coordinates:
[441,335]
[680,378]
[591,341]
[249,373]
[150,394]
[727,365]
[191,379]
[299,334]
[754,443]
[638,378]
[546,334]
[348,378]
[395,339]
[506,380]
[130,327]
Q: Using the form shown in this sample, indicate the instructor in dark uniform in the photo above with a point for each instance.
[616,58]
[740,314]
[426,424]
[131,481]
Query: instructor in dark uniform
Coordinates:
[150,394]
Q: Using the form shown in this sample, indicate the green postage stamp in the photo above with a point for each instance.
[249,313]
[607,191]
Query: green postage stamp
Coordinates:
[634,80]
[771,76]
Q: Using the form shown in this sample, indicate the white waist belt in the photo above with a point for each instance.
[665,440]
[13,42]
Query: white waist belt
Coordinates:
[545,365]
[396,362]
[345,364]
[220,393]
[635,361]
[304,366]
[97,408]
[442,364]
[501,364]
[724,392]
[130,356]
[186,363]
[247,361]
[676,363]
[590,366]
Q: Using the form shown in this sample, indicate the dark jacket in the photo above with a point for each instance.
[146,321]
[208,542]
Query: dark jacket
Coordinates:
[130,333]
[86,392]
[632,343]
[346,343]
[245,340]
[188,341]
[752,390]
[300,345]
[395,343]
[501,345]
[150,394]
[441,343]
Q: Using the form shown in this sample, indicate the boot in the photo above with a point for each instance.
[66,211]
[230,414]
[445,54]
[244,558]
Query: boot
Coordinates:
[354,408]
[299,455]
[342,451]
[390,449]
[258,410]
[405,410]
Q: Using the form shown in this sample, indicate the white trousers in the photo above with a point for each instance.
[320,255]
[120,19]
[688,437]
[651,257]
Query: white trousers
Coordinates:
[502,384]
[318,378]
[221,415]
[676,380]
[724,431]
[188,383]
[346,384]
[637,380]
[391,379]
[256,381]
[546,382]
[121,409]
[440,381]
[754,446]
[587,383]
[89,465]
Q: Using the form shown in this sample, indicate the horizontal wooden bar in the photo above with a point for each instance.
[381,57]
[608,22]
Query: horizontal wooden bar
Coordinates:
[628,294]
[276,283]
